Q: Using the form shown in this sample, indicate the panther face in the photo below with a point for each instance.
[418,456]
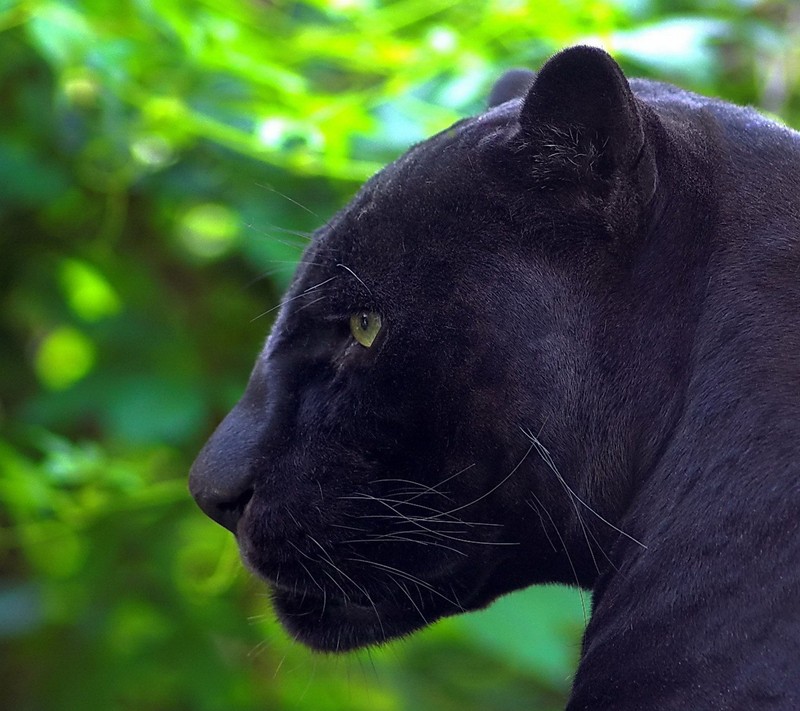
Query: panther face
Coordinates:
[427,419]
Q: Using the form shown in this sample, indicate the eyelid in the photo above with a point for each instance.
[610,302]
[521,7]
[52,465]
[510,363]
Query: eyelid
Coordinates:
[343,315]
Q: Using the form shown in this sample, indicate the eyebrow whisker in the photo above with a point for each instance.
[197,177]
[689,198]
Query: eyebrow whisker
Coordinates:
[296,296]
[358,278]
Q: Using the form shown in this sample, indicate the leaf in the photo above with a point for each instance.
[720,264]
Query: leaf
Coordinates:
[538,629]
[62,33]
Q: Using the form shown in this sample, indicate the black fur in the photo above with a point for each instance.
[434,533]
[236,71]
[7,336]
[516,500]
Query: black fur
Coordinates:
[588,373]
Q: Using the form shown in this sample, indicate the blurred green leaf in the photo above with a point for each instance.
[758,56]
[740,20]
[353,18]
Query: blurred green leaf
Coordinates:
[64,356]
[538,629]
[87,291]
[61,32]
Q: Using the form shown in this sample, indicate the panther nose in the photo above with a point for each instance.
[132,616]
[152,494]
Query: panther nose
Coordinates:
[221,478]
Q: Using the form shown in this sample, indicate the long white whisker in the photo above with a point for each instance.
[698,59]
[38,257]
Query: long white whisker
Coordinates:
[407,576]
[358,278]
[544,528]
[410,599]
[569,557]
[296,296]
[587,532]
[404,537]
[422,488]
[549,461]
[452,476]
[329,561]
[493,489]
[311,303]
[436,517]
[387,500]
[286,197]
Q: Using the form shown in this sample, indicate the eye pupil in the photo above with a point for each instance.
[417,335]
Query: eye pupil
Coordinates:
[364,322]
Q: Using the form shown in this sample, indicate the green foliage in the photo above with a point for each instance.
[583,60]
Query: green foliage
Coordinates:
[162,164]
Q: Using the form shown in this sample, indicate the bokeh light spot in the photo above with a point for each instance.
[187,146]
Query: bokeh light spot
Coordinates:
[64,357]
[88,292]
[209,230]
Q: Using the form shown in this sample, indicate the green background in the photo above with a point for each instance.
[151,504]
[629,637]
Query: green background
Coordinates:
[161,166]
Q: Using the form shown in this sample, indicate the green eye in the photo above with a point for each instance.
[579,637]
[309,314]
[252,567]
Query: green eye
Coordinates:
[365,326]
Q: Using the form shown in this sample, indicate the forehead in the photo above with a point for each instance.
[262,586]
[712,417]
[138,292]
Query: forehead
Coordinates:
[436,219]
[426,203]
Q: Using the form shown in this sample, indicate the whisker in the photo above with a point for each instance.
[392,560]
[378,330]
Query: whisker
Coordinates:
[436,517]
[284,266]
[569,558]
[295,297]
[358,278]
[544,528]
[311,303]
[302,234]
[308,572]
[452,476]
[336,583]
[299,244]
[426,519]
[494,488]
[407,576]
[349,528]
[439,534]
[423,488]
[387,501]
[410,599]
[549,461]
[286,197]
[416,531]
[327,559]
[585,529]
[405,539]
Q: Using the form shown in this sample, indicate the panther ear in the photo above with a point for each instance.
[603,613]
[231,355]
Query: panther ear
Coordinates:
[581,110]
[514,84]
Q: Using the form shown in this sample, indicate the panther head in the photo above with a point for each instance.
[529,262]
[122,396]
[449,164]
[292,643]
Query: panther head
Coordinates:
[441,413]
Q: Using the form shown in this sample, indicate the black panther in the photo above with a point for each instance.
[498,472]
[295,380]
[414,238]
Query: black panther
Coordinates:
[557,342]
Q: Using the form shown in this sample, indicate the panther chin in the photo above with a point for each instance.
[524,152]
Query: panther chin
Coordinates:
[338,620]
[337,601]
[333,624]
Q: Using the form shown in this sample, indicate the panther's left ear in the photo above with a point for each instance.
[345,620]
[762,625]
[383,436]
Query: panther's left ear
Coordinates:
[581,110]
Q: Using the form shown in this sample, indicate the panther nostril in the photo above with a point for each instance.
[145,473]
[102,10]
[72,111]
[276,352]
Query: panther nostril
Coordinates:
[228,513]
[225,510]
